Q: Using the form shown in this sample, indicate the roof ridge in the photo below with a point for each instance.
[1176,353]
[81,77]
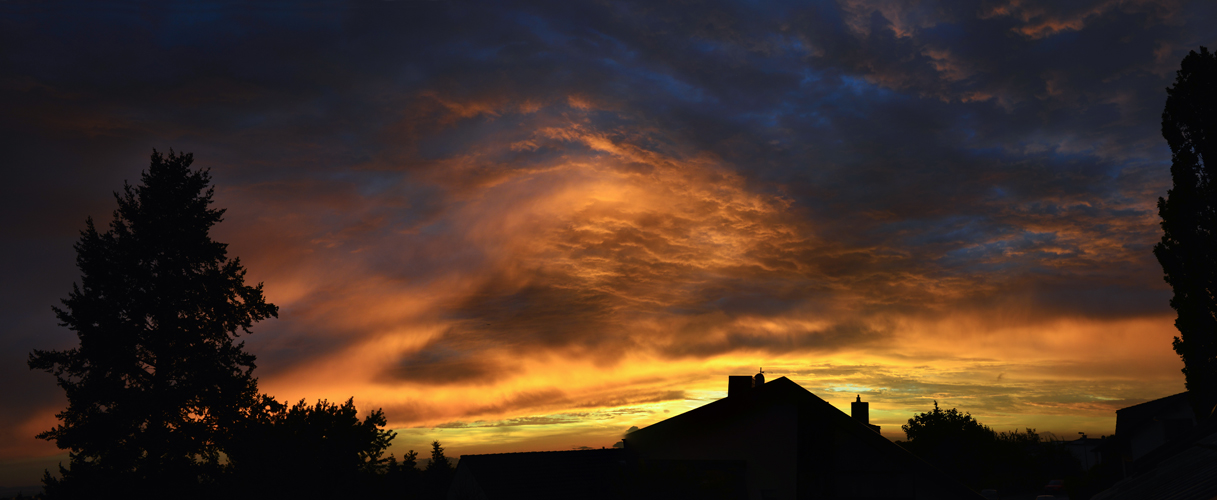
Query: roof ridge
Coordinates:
[1161,399]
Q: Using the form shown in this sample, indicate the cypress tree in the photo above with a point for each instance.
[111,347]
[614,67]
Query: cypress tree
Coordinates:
[1188,250]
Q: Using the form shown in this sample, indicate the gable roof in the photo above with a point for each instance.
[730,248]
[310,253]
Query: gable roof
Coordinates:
[1132,417]
[785,391]
[600,473]
[780,390]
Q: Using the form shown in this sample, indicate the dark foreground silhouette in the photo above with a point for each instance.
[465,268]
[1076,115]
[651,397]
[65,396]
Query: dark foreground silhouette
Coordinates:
[978,456]
[162,402]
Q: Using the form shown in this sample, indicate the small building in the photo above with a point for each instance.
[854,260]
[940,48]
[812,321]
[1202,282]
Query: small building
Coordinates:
[1142,428]
[764,441]
[1184,467]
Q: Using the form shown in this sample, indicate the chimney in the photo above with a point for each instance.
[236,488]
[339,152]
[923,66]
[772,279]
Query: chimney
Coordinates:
[861,413]
[860,410]
[738,385]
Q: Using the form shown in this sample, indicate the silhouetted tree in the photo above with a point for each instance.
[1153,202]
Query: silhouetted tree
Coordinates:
[409,461]
[318,451]
[439,472]
[950,440]
[439,463]
[157,380]
[1188,250]
[403,479]
[977,456]
[938,425]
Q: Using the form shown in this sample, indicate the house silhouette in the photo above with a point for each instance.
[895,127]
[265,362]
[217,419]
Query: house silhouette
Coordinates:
[764,441]
[1185,467]
[1142,428]
[1162,451]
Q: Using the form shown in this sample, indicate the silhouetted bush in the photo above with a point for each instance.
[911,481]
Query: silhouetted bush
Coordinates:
[318,451]
[980,458]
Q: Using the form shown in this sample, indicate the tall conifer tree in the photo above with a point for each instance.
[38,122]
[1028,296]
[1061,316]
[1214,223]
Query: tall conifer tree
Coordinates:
[158,379]
[1188,250]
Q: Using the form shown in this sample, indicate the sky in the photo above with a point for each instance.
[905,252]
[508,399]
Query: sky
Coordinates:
[521,226]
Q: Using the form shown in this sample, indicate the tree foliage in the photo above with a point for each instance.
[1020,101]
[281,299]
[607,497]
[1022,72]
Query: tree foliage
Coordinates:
[439,463]
[974,454]
[439,473]
[1188,250]
[403,479]
[940,426]
[157,380]
[318,451]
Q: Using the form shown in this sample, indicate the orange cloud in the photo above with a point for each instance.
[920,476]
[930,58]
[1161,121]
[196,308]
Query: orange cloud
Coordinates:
[555,303]
[1045,20]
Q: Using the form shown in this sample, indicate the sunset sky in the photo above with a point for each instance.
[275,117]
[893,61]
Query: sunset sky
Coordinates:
[524,226]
